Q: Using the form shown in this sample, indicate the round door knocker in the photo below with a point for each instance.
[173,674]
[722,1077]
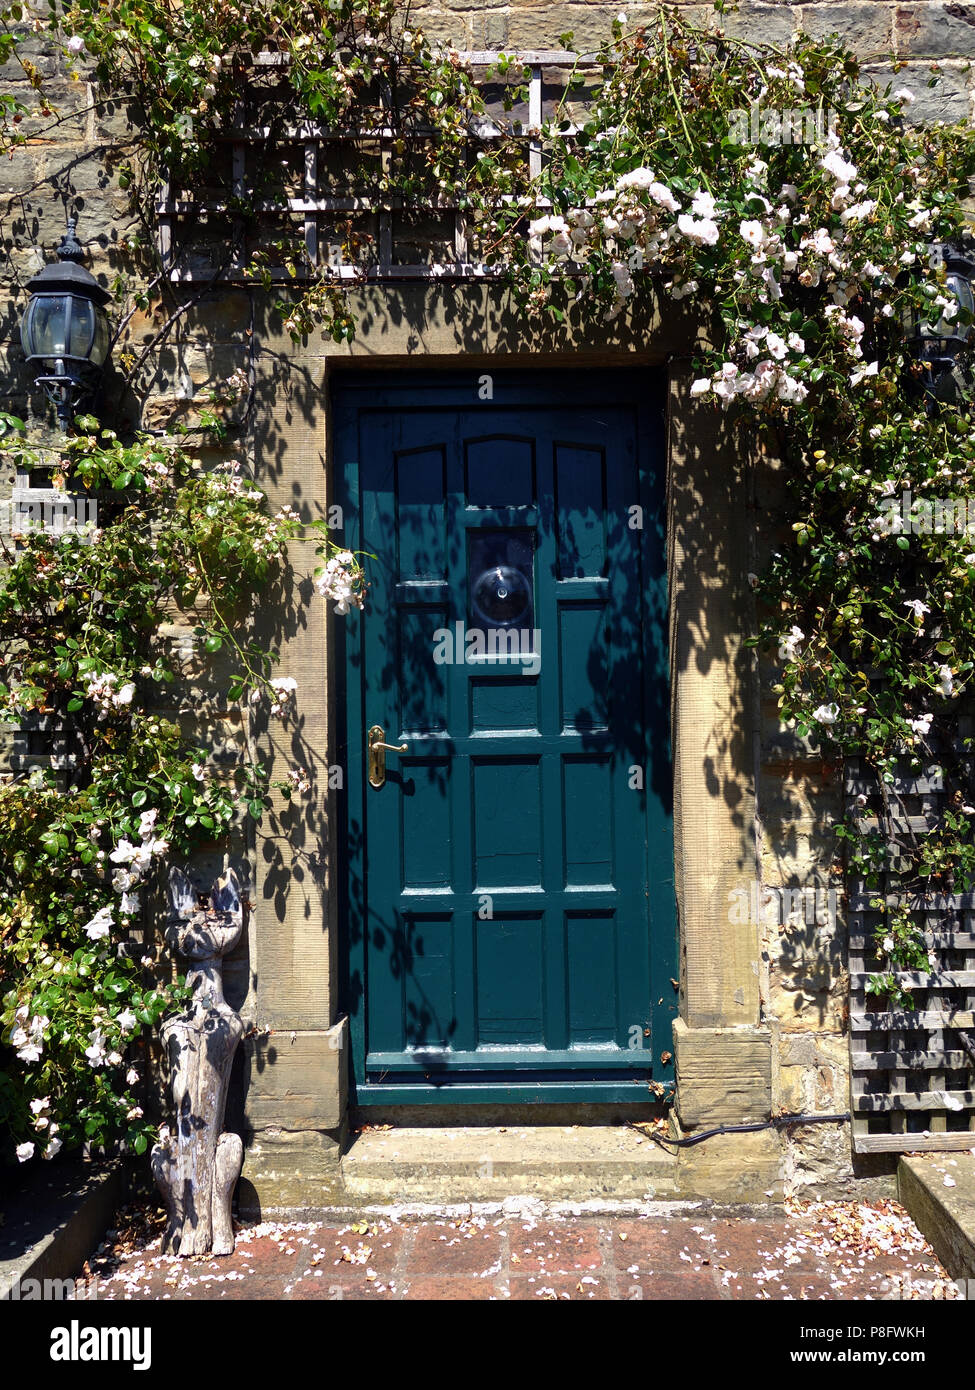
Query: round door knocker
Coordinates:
[502,597]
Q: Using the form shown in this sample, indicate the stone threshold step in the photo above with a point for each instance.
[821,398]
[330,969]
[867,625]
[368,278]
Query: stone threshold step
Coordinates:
[475,1163]
[939,1192]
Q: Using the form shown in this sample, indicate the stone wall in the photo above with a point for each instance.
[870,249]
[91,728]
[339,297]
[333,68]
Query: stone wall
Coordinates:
[773,989]
[800,907]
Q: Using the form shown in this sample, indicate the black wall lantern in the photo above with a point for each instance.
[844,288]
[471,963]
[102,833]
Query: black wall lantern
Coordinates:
[66,329]
[941,349]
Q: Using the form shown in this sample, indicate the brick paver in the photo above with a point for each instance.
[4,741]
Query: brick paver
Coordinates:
[811,1252]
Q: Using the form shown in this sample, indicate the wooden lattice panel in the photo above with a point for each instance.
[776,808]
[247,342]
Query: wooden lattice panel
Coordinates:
[912,1081]
[312,203]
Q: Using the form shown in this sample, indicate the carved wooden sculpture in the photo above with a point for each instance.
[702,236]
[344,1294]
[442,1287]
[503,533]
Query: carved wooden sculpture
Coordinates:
[196,1168]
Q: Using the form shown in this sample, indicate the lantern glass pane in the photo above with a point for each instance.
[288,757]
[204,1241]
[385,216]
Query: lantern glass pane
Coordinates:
[45,325]
[99,349]
[962,290]
[81,333]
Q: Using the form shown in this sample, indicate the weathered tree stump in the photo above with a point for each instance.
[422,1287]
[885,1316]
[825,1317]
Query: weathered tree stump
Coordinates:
[196,1168]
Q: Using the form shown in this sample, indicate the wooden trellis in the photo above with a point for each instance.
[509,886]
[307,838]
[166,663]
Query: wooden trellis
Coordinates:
[313,145]
[912,1078]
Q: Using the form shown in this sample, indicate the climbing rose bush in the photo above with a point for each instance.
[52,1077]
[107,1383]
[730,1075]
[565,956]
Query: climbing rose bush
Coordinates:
[800,263]
[813,267]
[83,648]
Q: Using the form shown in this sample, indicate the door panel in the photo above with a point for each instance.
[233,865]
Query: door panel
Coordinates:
[509,909]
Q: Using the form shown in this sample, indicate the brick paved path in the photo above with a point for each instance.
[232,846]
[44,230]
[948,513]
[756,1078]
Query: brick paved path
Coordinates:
[830,1251]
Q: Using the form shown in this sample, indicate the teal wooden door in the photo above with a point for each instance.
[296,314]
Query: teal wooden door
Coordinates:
[509,903]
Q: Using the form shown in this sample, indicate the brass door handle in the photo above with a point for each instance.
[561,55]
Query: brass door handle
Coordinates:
[377,754]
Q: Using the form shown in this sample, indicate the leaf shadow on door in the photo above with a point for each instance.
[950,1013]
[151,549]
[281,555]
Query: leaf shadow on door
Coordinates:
[625,715]
[627,666]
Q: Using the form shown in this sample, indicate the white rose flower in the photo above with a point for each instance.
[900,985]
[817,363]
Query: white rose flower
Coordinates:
[662,195]
[623,279]
[703,205]
[864,372]
[788,389]
[754,233]
[842,171]
[100,924]
[96,1051]
[702,231]
[636,178]
[776,346]
[789,645]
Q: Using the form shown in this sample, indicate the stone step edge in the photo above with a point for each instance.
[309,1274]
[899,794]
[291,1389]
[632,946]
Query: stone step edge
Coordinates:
[61,1252]
[945,1215]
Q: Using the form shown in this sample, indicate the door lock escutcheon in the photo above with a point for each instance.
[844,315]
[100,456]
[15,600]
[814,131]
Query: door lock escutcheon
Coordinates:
[377,754]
